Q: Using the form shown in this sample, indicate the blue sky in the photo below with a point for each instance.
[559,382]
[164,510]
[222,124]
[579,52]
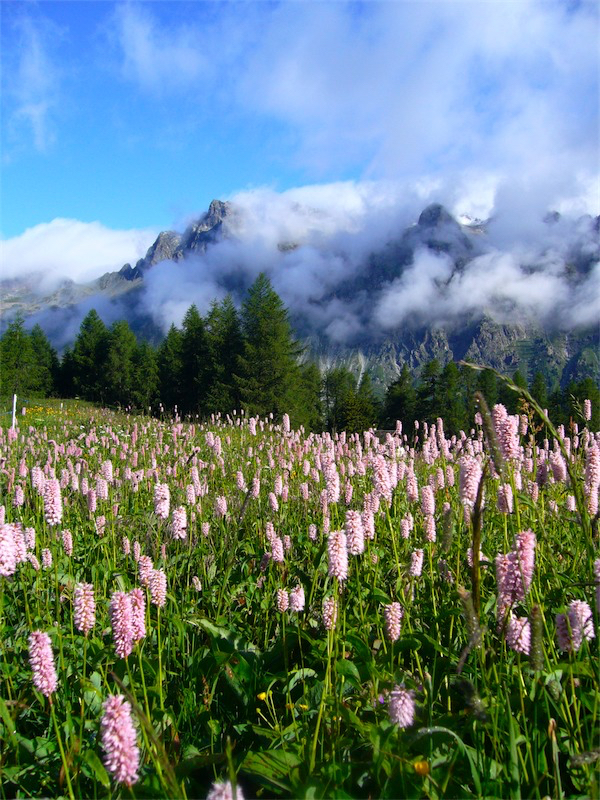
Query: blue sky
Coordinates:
[122,119]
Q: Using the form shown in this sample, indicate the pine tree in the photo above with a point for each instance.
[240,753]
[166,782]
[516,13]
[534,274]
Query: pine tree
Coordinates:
[339,392]
[145,377]
[225,342]
[450,399]
[46,362]
[89,358]
[428,404]
[309,407]
[539,389]
[195,363]
[487,384]
[119,373]
[400,401]
[17,360]
[268,375]
[170,368]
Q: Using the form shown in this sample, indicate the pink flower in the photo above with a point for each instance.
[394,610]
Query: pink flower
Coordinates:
[52,502]
[91,501]
[393,614]
[338,555]
[101,489]
[427,500]
[469,477]
[277,553]
[145,568]
[158,588]
[67,542]
[221,506]
[416,563]
[401,707]
[575,626]
[179,523]
[283,600]
[118,739]
[558,467]
[329,613]
[107,471]
[507,432]
[430,529]
[84,607]
[41,660]
[224,791]
[505,499]
[412,488]
[46,558]
[404,528]
[162,500]
[355,533]
[518,634]
[121,619]
[19,498]
[297,599]
[138,614]
[8,551]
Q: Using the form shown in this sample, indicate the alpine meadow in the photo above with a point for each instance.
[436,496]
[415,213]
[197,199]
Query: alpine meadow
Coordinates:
[300,400]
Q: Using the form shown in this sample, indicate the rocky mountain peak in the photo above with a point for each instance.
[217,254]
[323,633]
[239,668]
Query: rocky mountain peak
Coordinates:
[435,216]
[207,229]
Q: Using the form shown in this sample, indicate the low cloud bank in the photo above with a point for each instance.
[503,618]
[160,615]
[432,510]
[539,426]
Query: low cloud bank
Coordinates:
[349,260]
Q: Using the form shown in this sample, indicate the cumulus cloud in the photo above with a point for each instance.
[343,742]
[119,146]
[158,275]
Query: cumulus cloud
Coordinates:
[70,249]
[432,88]
[323,248]
[349,260]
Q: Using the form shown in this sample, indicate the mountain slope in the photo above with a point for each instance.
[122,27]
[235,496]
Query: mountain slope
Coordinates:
[433,288]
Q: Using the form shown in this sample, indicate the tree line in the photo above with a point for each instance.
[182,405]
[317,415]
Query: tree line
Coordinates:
[250,359]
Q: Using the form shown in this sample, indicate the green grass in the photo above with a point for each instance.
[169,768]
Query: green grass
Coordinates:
[225,686]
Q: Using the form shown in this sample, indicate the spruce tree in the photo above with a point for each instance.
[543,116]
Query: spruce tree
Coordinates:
[428,403]
[268,374]
[119,374]
[17,360]
[170,369]
[145,377]
[225,343]
[450,399]
[400,401]
[339,394]
[46,363]
[195,363]
[89,358]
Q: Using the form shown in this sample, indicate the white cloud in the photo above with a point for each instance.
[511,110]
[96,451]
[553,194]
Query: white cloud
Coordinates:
[31,84]
[68,248]
[432,88]
[158,56]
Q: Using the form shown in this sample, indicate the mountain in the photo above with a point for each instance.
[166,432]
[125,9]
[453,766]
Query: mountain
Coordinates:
[374,299]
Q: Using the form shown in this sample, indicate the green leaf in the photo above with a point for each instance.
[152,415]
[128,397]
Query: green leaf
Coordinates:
[299,675]
[513,765]
[8,722]
[274,766]
[97,768]
[348,670]
[466,751]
